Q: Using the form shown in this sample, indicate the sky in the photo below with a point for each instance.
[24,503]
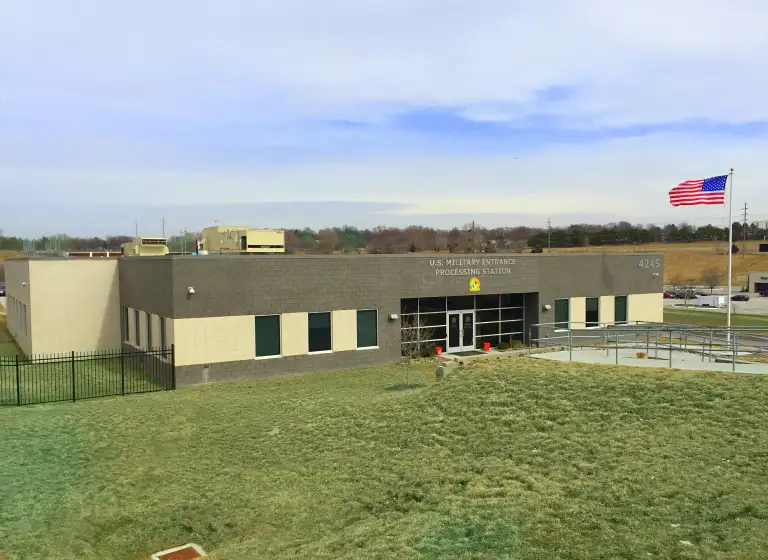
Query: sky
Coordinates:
[288,113]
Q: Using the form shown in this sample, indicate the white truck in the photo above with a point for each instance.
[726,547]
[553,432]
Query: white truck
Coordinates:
[712,301]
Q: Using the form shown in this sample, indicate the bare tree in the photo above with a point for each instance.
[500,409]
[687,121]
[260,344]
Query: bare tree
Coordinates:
[327,240]
[676,281]
[412,339]
[711,278]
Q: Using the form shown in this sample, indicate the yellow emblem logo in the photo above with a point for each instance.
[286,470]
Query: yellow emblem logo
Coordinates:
[474,285]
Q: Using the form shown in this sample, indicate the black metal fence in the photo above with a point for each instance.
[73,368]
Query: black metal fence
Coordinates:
[85,375]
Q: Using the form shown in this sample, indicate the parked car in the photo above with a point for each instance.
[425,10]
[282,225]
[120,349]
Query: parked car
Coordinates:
[669,295]
[764,294]
[740,297]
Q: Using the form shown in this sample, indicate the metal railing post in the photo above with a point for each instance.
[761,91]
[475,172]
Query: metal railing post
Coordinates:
[710,345]
[733,359]
[570,345]
[122,371]
[670,348]
[648,343]
[18,382]
[73,376]
[173,366]
[617,348]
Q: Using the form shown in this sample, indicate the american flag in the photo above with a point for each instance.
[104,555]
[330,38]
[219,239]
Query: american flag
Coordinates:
[700,191]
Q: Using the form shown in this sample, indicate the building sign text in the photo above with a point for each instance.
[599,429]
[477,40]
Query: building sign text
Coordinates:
[471,267]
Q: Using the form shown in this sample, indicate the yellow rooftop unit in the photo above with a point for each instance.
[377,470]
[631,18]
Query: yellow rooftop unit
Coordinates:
[145,247]
[238,239]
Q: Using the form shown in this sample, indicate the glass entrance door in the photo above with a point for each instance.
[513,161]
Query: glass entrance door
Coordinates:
[461,331]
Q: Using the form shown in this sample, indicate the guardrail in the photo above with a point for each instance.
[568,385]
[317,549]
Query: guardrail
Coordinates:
[743,345]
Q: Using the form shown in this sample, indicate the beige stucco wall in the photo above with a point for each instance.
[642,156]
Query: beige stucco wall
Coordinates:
[294,334]
[75,305]
[209,340]
[607,310]
[155,342]
[344,330]
[17,287]
[645,307]
[578,309]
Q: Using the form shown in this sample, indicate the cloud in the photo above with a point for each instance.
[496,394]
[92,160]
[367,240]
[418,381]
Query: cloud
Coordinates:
[424,104]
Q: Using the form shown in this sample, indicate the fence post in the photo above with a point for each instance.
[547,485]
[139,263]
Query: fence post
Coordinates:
[18,382]
[73,376]
[647,343]
[173,366]
[570,345]
[670,348]
[710,345]
[122,370]
[733,359]
[617,348]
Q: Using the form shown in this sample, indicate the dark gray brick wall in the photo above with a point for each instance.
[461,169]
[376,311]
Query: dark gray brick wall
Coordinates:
[252,285]
[256,369]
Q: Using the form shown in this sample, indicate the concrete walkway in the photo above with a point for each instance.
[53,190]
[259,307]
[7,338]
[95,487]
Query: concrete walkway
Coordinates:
[680,360]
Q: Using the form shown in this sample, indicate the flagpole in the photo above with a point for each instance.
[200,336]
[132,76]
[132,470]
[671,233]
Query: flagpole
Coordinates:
[730,251]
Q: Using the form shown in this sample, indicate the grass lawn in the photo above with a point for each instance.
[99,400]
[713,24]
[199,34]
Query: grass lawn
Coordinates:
[8,347]
[510,459]
[713,318]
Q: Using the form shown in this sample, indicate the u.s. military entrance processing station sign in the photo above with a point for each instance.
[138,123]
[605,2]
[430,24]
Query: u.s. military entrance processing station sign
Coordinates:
[472,267]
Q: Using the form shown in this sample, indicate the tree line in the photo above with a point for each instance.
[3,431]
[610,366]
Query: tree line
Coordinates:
[468,238]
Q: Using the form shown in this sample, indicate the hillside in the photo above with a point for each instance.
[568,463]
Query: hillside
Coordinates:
[516,459]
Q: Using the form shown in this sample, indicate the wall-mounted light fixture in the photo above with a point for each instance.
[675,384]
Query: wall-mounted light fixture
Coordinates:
[546,307]
[190,290]
[393,316]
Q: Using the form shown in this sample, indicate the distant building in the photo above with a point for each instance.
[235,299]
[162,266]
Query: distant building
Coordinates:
[758,282]
[145,247]
[241,239]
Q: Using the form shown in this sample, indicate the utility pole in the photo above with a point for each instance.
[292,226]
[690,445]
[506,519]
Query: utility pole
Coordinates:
[549,235]
[163,227]
[744,240]
[137,227]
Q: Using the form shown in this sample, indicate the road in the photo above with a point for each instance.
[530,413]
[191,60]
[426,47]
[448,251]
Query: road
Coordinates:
[757,305]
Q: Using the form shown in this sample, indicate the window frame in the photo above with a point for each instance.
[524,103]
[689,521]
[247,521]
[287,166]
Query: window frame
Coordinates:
[375,331]
[563,325]
[126,325]
[330,332]
[137,328]
[587,323]
[279,337]
[148,319]
[162,334]
[625,321]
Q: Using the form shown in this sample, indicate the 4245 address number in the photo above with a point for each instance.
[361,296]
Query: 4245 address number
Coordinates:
[649,263]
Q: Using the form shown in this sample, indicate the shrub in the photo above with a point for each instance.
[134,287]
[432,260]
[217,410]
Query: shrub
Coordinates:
[516,344]
[734,249]
[641,355]
[503,345]
[429,352]
[537,249]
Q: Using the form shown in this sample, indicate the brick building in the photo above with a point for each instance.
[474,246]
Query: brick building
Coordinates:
[235,316]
